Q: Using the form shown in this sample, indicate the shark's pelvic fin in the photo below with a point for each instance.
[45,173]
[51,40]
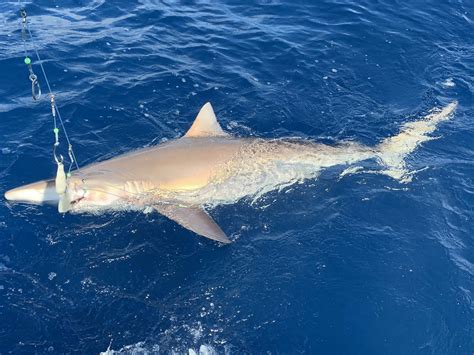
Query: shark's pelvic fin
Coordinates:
[195,219]
[205,124]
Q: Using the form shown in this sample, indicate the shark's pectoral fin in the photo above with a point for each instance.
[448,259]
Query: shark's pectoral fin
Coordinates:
[195,219]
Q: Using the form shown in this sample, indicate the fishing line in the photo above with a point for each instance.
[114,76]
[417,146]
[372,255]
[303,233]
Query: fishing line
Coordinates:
[55,108]
[62,178]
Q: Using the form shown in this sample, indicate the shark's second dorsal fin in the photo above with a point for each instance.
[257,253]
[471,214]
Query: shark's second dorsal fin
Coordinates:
[205,124]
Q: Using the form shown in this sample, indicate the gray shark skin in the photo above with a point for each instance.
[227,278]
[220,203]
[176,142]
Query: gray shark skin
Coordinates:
[208,167]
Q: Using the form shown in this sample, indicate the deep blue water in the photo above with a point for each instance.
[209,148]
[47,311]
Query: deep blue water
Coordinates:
[354,265]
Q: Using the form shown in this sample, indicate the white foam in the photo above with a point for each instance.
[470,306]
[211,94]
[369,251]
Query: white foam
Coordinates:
[448,83]
[351,170]
[142,348]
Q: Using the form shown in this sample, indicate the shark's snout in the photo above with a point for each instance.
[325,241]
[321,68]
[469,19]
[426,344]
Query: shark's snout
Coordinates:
[38,192]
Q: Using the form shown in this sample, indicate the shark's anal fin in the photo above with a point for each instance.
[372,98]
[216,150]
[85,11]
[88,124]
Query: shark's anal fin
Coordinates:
[205,124]
[195,219]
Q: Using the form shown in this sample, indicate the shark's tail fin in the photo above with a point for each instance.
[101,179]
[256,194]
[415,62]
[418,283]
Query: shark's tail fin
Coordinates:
[391,152]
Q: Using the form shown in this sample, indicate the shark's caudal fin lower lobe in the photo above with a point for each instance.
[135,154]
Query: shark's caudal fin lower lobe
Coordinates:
[392,151]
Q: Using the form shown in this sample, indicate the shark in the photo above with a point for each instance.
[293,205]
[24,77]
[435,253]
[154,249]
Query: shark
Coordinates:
[184,178]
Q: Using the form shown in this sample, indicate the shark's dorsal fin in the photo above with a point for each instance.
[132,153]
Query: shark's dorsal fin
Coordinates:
[205,124]
[195,219]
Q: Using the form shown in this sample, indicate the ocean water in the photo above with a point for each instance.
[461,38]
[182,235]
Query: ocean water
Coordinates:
[359,264]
